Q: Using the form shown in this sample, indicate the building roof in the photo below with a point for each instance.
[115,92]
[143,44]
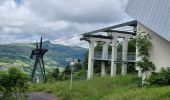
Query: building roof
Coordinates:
[154,14]
[131,23]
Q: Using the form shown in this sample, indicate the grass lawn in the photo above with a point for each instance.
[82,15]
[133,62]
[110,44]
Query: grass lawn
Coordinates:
[117,88]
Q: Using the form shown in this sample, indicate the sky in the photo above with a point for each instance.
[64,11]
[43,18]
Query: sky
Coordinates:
[60,21]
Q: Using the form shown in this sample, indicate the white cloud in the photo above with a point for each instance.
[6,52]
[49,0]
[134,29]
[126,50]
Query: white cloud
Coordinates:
[56,19]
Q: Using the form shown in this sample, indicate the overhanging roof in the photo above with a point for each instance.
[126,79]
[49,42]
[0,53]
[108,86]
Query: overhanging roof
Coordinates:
[122,32]
[87,36]
[131,23]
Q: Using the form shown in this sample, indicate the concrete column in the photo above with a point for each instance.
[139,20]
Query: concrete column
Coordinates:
[124,56]
[114,56]
[90,60]
[104,56]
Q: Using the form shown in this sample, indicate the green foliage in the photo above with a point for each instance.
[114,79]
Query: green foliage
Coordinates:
[85,61]
[132,45]
[99,46]
[131,68]
[146,65]
[78,65]
[67,71]
[143,46]
[13,82]
[80,75]
[56,74]
[161,78]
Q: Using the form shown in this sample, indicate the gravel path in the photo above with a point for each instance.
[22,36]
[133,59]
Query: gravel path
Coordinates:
[41,96]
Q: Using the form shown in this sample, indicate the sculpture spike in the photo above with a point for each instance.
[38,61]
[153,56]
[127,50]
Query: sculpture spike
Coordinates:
[41,43]
[36,44]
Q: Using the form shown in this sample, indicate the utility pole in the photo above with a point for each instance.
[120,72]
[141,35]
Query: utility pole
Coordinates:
[71,78]
[72,63]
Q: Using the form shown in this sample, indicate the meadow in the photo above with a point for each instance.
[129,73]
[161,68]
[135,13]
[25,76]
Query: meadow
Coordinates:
[107,88]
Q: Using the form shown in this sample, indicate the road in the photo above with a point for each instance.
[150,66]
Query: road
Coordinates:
[41,96]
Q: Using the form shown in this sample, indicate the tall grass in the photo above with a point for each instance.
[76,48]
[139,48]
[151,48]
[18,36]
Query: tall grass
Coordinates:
[154,93]
[117,88]
[87,89]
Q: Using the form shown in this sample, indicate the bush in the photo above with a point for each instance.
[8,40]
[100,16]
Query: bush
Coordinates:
[80,75]
[13,83]
[59,76]
[161,78]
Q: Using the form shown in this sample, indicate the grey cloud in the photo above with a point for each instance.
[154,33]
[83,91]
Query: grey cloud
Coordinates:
[83,11]
[56,19]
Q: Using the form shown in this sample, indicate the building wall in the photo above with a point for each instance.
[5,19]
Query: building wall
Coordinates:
[160,51]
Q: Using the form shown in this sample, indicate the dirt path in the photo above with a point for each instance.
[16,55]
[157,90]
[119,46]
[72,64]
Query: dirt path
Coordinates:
[42,96]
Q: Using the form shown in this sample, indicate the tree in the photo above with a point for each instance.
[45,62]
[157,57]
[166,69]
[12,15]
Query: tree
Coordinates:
[13,82]
[56,73]
[143,47]
[67,70]
[132,49]
[85,61]
[78,65]
[66,73]
[132,45]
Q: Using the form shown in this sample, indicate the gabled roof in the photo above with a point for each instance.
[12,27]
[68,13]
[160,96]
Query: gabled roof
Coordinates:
[154,14]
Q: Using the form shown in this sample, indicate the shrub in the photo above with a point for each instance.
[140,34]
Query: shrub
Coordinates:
[80,75]
[56,74]
[161,78]
[13,82]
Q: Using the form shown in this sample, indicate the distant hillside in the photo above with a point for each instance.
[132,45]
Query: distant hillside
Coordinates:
[19,55]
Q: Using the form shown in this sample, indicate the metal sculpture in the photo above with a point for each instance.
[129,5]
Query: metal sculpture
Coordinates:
[37,54]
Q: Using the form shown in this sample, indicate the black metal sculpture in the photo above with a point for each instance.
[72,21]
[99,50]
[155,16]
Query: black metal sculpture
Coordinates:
[37,54]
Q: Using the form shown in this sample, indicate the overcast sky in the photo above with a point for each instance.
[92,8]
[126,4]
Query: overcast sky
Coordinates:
[55,20]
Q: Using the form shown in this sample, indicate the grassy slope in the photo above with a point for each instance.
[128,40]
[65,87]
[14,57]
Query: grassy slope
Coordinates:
[118,88]
[18,54]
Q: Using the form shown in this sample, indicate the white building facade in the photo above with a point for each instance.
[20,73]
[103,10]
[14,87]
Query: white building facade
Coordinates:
[153,18]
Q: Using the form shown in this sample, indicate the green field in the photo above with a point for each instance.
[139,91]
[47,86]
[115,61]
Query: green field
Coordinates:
[118,88]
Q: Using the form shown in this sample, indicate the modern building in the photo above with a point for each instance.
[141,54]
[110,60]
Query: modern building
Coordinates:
[112,34]
[151,17]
